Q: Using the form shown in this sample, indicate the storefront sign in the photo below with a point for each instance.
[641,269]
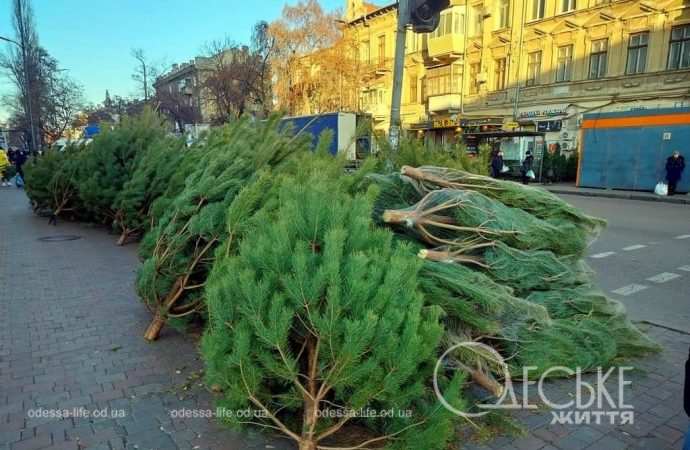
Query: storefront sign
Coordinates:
[548,112]
[446,122]
[549,125]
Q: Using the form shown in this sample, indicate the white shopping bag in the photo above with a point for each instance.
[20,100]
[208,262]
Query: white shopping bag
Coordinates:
[505,169]
[531,175]
[661,188]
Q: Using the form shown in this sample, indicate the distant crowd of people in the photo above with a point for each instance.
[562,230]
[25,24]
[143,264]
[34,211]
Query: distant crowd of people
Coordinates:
[12,158]
[675,165]
[498,167]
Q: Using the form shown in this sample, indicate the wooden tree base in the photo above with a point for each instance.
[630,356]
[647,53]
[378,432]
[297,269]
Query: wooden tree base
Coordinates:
[154,329]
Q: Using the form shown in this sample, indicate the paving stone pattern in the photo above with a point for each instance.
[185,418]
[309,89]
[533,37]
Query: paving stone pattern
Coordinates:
[70,337]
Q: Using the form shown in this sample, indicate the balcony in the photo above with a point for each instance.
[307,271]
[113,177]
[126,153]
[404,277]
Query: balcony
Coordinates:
[379,112]
[379,68]
[446,48]
[446,102]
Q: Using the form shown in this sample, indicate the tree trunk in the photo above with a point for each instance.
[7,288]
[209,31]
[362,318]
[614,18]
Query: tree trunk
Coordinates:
[307,445]
[154,328]
[123,238]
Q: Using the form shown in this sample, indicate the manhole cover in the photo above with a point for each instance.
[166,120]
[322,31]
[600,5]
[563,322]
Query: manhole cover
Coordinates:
[59,238]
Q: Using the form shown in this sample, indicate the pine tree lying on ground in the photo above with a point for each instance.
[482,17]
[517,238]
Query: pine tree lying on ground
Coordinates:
[512,277]
[111,162]
[179,251]
[150,179]
[50,182]
[319,311]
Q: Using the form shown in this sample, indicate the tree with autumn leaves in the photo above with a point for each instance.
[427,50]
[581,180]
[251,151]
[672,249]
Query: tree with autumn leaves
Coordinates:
[315,64]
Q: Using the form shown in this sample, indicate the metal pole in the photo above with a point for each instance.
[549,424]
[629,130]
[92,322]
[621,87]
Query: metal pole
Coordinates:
[399,67]
[516,104]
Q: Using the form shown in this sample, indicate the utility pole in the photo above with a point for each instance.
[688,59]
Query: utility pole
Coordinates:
[398,69]
[424,16]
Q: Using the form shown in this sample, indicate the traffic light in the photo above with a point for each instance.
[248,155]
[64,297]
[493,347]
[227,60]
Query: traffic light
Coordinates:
[425,15]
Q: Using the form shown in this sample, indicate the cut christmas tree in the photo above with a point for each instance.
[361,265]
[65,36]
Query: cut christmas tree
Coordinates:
[112,159]
[150,179]
[180,250]
[319,316]
[50,183]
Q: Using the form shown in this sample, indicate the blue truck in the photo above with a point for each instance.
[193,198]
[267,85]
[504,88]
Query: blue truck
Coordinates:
[351,132]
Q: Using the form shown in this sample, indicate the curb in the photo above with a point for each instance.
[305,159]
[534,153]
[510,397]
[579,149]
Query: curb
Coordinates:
[621,195]
[665,327]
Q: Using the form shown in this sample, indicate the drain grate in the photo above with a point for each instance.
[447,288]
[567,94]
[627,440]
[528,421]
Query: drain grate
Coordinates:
[59,238]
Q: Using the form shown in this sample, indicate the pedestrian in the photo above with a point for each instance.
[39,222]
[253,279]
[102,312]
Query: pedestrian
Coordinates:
[4,165]
[686,400]
[497,164]
[526,168]
[675,164]
[12,155]
[19,161]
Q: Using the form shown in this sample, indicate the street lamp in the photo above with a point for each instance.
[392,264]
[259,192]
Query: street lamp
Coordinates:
[27,81]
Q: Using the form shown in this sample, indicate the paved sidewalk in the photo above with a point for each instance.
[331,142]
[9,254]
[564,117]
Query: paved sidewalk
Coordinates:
[571,189]
[70,336]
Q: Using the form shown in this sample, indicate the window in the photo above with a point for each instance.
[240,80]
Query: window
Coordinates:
[475,68]
[413,89]
[451,22]
[382,49]
[568,5]
[564,64]
[477,21]
[443,80]
[538,9]
[637,53]
[500,74]
[679,52]
[448,25]
[365,50]
[503,13]
[597,59]
[459,23]
[533,68]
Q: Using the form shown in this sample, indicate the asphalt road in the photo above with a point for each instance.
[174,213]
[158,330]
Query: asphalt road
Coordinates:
[643,257]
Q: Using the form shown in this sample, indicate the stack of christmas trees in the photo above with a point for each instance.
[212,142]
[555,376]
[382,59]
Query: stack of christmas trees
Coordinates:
[327,293]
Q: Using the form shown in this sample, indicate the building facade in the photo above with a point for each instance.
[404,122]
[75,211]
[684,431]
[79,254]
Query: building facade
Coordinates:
[529,64]
[181,96]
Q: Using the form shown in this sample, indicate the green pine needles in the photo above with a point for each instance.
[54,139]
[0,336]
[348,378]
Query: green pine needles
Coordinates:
[150,179]
[320,310]
[180,250]
[112,161]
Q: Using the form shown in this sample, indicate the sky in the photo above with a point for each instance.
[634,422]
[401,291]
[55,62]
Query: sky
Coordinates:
[93,39]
